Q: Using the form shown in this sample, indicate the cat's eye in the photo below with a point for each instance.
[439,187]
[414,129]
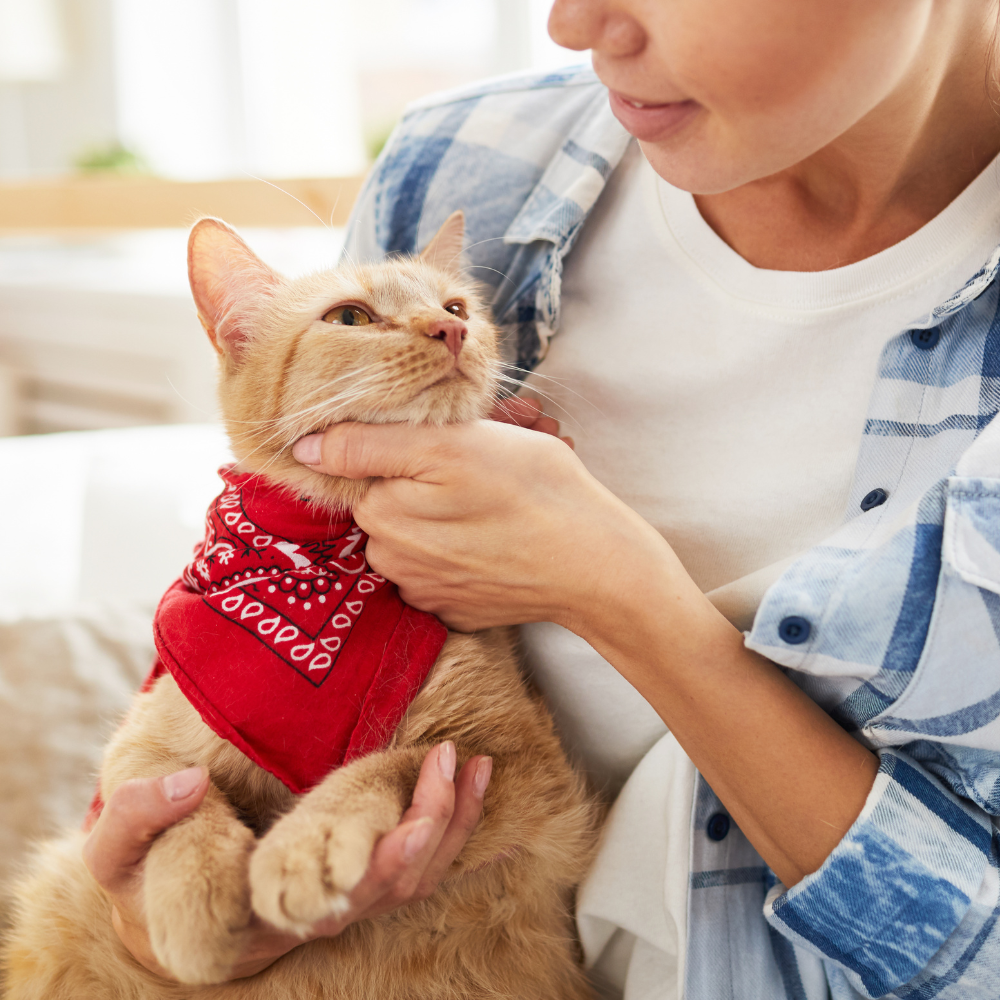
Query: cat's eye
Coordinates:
[457,309]
[347,316]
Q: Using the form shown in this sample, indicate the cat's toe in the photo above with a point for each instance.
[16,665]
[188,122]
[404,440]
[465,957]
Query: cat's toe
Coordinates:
[301,874]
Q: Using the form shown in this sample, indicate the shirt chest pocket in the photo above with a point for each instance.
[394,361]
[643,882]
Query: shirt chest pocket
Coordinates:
[971,544]
[954,694]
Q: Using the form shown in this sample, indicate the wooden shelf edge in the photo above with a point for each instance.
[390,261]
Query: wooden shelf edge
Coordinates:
[150,203]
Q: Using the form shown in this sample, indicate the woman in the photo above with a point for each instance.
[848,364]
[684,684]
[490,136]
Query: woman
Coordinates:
[794,377]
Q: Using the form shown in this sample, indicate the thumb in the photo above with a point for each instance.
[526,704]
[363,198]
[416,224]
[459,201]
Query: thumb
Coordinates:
[356,451]
[136,813]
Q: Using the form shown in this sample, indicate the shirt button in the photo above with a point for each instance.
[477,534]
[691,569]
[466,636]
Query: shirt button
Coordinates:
[718,827]
[794,630]
[876,498]
[926,340]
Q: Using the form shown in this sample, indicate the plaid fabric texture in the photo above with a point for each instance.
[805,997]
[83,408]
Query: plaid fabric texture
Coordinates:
[895,620]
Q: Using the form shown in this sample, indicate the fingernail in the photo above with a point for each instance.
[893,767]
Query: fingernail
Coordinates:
[446,760]
[183,783]
[308,450]
[482,779]
[417,839]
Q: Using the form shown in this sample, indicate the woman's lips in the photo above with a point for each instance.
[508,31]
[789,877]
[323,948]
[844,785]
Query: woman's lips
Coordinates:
[649,122]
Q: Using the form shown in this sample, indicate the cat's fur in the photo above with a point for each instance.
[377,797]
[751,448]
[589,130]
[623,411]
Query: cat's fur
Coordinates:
[499,924]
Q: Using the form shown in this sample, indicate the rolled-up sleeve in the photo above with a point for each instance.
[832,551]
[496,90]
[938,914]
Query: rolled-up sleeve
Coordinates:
[898,637]
[916,864]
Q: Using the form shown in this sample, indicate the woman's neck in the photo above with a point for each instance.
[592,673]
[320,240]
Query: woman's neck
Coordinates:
[888,175]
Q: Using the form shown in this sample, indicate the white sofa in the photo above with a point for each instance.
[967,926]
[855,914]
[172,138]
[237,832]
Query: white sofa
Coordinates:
[93,526]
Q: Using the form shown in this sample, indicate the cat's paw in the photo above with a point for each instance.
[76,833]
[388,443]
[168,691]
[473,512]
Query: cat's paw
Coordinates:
[197,907]
[305,867]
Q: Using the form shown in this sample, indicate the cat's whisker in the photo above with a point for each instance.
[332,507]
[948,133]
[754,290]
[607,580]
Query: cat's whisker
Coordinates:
[277,421]
[289,194]
[484,267]
[490,239]
[333,211]
[349,260]
[194,406]
[263,444]
[567,416]
[359,385]
[529,371]
[325,412]
[362,388]
[562,383]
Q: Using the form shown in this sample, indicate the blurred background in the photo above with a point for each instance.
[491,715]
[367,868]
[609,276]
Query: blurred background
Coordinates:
[207,89]
[121,121]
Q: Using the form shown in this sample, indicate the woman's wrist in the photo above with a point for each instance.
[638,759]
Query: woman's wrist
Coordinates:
[637,592]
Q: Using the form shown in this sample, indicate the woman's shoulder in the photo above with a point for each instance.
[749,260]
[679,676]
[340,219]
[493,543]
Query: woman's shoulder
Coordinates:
[507,151]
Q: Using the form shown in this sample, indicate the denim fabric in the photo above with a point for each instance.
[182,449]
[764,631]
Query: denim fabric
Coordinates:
[903,602]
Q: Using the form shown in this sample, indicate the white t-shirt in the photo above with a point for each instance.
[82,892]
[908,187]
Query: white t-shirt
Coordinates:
[725,404]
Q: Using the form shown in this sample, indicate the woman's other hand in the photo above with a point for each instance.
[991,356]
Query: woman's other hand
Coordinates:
[524,411]
[406,865]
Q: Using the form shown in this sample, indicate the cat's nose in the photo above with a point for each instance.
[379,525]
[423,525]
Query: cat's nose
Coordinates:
[451,331]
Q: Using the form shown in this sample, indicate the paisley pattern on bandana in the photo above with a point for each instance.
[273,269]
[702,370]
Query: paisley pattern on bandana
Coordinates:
[301,600]
[284,639]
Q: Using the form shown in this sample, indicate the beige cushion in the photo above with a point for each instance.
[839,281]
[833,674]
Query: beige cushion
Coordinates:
[64,683]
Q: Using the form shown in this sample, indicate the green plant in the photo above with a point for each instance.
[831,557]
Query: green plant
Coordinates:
[110,158]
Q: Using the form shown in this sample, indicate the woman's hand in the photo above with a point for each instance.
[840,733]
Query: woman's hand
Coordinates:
[406,865]
[524,411]
[484,523]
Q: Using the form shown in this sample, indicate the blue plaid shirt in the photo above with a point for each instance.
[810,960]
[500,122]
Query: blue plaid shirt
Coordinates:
[892,624]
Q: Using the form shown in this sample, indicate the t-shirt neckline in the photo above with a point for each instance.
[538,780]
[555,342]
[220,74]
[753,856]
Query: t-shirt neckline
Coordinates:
[966,227]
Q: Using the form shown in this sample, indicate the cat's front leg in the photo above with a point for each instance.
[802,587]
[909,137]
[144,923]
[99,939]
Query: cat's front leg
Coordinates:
[305,866]
[196,892]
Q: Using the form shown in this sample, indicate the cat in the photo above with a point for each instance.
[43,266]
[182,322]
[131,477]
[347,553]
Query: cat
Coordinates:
[405,340]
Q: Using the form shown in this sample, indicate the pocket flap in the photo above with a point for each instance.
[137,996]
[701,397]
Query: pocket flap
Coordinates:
[972,531]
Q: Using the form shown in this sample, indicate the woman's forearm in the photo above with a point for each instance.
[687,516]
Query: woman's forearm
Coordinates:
[484,524]
[791,778]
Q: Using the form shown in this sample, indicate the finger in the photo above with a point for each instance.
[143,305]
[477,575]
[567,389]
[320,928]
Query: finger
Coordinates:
[569,441]
[434,805]
[357,451]
[137,811]
[547,425]
[401,857]
[470,790]
[520,410]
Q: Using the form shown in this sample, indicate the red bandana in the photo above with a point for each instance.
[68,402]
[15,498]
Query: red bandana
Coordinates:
[289,646]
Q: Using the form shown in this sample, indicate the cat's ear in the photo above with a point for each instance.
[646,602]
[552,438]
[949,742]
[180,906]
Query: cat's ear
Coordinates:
[228,281]
[445,251]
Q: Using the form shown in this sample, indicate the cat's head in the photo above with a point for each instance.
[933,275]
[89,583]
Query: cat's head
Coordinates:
[404,340]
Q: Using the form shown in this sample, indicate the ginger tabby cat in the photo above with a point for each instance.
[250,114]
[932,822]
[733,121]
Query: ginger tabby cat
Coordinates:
[404,340]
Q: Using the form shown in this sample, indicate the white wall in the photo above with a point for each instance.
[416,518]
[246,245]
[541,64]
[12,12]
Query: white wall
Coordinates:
[215,88]
[63,98]
[175,99]
[300,87]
